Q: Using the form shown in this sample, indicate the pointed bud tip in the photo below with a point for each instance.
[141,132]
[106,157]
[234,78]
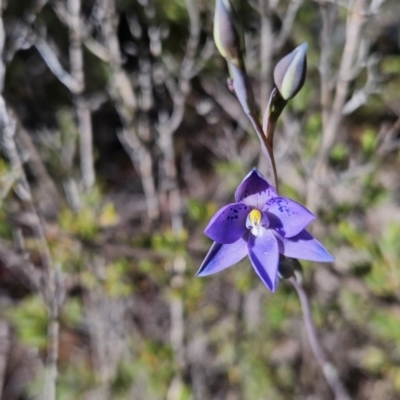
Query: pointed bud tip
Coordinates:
[290,72]
[303,47]
[228,33]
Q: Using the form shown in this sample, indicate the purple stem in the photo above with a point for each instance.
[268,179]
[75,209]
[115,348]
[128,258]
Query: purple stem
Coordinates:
[326,366]
[265,146]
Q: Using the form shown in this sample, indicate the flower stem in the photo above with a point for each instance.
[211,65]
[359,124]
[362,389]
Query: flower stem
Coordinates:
[265,146]
[275,106]
[326,366]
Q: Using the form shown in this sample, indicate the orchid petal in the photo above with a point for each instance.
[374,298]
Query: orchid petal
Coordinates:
[305,247]
[228,224]
[254,190]
[287,217]
[264,256]
[221,256]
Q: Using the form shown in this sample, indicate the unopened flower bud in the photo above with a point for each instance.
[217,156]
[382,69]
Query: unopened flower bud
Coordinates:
[290,72]
[228,32]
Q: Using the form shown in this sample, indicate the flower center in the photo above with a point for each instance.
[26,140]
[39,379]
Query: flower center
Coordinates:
[253,222]
[255,217]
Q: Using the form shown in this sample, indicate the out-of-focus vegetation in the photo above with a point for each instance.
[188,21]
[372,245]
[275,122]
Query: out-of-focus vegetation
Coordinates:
[134,322]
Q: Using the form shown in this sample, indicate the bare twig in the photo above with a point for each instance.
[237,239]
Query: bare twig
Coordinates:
[85,28]
[53,338]
[81,108]
[52,61]
[142,160]
[186,70]
[46,184]
[329,17]
[333,110]
[287,24]
[266,52]
[361,96]
[19,37]
[167,125]
[387,141]
[354,27]
[48,285]
[4,349]
[20,266]
[126,103]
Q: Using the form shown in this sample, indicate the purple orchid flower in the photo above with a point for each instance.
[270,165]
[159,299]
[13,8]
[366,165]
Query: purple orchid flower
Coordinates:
[260,224]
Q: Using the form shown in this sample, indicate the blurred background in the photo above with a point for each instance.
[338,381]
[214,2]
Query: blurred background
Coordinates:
[120,139]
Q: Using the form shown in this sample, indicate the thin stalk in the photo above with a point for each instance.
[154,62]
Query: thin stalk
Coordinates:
[53,335]
[265,147]
[329,371]
[274,109]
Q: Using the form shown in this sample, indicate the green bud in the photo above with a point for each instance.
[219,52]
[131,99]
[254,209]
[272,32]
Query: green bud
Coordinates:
[228,32]
[290,72]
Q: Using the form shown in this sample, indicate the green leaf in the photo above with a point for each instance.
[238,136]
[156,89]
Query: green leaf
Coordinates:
[30,320]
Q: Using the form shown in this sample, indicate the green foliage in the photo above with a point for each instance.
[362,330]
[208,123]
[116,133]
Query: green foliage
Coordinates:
[384,278]
[243,278]
[123,380]
[5,228]
[231,173]
[355,308]
[394,373]
[373,193]
[174,10]
[312,135]
[66,252]
[200,211]
[116,282]
[373,360]
[170,243]
[67,125]
[3,167]
[7,182]
[72,312]
[257,377]
[369,140]
[29,318]
[352,235]
[146,266]
[338,213]
[194,292]
[157,360]
[389,244]
[82,223]
[339,153]
[288,191]
[90,218]
[391,64]
[75,380]
[277,310]
[5,173]
[300,102]
[217,336]
[385,324]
